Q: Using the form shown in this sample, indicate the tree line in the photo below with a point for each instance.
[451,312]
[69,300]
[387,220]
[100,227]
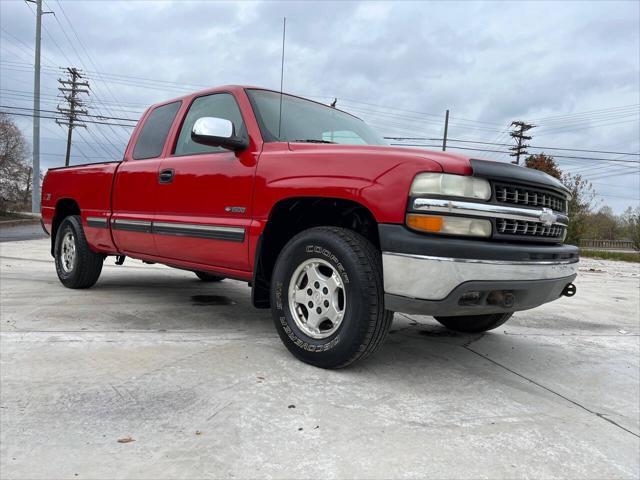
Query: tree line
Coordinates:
[587,220]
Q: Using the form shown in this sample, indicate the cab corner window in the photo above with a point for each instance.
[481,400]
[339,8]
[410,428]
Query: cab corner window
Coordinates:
[219,105]
[154,131]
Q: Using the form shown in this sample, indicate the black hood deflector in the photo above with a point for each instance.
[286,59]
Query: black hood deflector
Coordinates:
[509,173]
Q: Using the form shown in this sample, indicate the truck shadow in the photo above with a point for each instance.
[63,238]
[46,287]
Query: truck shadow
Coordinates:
[166,303]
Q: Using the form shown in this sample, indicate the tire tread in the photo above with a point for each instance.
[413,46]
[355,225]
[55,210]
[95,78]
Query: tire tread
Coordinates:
[88,264]
[369,261]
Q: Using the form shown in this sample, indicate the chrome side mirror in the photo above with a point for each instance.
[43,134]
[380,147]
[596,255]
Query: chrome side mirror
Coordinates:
[217,132]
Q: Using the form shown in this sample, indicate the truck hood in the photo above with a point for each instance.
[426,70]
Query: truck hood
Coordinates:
[449,162]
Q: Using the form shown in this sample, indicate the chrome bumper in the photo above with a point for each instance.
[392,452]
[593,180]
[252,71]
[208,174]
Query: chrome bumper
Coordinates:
[434,278]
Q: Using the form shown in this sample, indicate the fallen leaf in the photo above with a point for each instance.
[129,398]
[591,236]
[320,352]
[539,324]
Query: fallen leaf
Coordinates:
[198,432]
[125,440]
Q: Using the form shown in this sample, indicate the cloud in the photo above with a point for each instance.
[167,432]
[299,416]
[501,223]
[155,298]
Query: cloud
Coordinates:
[485,61]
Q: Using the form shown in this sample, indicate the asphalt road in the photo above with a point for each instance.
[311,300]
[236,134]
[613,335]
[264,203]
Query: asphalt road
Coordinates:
[201,385]
[30,230]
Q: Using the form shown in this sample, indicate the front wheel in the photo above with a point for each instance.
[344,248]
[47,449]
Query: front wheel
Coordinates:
[77,265]
[327,297]
[474,323]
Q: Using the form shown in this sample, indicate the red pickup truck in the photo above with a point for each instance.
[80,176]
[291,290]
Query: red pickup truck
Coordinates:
[333,230]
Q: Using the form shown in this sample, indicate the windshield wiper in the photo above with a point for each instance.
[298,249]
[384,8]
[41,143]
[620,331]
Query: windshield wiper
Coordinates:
[312,140]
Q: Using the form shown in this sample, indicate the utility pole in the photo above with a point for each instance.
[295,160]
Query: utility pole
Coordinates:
[519,135]
[70,89]
[446,130]
[35,193]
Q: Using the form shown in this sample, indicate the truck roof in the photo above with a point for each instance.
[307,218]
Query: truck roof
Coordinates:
[238,89]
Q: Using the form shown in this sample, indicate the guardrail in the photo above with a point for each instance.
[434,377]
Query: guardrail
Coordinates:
[607,244]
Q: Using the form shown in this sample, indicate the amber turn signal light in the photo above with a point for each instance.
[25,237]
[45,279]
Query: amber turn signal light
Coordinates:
[445,224]
[425,223]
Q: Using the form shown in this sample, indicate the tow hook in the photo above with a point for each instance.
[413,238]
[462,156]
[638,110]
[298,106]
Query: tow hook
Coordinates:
[569,290]
[120,259]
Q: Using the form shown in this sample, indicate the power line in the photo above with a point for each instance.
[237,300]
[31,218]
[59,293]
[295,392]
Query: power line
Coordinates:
[587,112]
[564,119]
[508,144]
[506,152]
[110,125]
[618,196]
[519,135]
[97,142]
[71,90]
[58,118]
[86,52]
[82,114]
[24,45]
[117,135]
[587,127]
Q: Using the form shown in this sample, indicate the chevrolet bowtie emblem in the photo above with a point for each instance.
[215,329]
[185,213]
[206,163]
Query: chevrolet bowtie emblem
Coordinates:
[548,217]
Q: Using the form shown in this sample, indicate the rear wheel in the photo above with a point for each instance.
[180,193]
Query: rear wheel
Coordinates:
[474,323]
[77,265]
[208,277]
[327,297]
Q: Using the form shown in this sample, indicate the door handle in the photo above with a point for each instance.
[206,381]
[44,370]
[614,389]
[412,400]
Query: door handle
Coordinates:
[166,176]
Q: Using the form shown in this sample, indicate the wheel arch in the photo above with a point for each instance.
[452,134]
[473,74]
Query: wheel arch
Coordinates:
[64,208]
[291,216]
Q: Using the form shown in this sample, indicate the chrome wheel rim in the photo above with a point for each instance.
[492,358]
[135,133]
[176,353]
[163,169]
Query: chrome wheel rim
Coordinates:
[68,252]
[317,298]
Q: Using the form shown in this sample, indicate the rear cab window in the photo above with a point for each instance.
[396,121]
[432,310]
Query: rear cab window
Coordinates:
[155,130]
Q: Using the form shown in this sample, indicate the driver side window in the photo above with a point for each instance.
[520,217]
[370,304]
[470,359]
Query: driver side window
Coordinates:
[220,105]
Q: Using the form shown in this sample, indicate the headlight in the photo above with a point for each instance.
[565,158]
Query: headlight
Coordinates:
[450,186]
[472,227]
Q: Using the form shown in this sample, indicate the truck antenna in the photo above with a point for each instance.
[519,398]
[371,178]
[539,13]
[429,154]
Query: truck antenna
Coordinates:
[284,30]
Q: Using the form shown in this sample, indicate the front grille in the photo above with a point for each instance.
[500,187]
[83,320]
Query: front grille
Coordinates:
[529,197]
[530,229]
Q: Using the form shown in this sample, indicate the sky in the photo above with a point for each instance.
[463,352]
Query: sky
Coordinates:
[570,68]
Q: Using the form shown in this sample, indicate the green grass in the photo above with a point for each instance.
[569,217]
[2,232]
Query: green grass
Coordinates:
[622,256]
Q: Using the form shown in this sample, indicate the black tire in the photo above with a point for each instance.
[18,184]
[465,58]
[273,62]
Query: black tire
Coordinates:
[365,322]
[474,323]
[208,277]
[84,270]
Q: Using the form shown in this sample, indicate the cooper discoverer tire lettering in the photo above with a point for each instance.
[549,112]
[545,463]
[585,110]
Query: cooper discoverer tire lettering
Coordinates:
[327,297]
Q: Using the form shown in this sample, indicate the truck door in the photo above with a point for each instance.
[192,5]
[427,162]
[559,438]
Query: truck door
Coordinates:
[136,184]
[203,211]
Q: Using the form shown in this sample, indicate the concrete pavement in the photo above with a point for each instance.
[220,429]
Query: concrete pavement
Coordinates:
[201,383]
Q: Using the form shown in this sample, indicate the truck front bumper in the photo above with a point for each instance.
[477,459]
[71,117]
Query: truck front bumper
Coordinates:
[448,276]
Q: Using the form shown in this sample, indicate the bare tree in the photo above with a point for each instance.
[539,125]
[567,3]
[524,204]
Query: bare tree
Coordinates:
[631,225]
[604,224]
[583,199]
[15,173]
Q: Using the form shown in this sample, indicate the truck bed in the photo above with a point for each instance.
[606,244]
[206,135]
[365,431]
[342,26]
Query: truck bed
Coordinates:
[90,187]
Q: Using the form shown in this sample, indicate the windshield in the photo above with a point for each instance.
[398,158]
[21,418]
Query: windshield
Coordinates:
[307,121]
